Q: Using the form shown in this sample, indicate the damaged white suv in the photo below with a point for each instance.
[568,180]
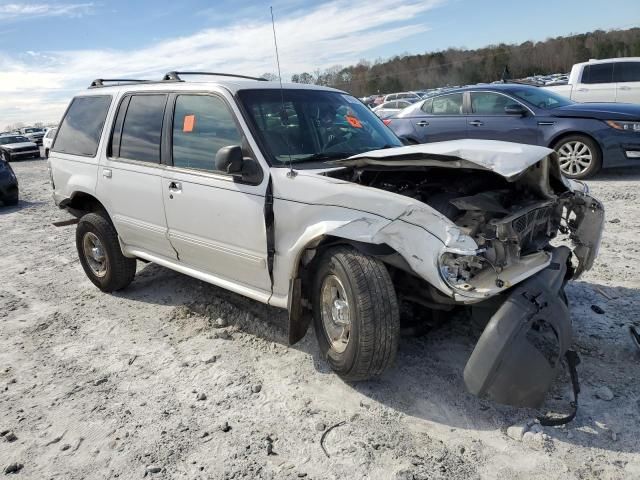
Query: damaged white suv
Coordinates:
[300,197]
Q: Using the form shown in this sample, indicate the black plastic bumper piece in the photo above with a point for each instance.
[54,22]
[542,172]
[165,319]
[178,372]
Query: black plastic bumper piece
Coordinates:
[517,356]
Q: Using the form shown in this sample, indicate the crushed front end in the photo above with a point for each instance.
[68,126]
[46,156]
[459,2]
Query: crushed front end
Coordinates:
[505,253]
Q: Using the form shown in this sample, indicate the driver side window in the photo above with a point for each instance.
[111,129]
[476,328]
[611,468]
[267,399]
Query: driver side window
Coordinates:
[202,125]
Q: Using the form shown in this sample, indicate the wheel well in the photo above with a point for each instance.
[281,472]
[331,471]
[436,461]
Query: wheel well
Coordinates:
[81,203]
[564,135]
[302,278]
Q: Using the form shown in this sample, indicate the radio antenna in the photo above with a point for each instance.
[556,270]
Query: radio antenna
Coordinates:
[283,112]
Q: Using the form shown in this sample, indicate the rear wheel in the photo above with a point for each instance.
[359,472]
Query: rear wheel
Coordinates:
[100,254]
[579,156]
[355,312]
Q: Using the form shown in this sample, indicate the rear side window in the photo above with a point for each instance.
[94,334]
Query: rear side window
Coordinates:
[202,125]
[138,128]
[82,126]
[448,105]
[598,73]
[626,72]
[427,106]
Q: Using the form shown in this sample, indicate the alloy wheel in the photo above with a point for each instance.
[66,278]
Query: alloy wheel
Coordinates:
[575,157]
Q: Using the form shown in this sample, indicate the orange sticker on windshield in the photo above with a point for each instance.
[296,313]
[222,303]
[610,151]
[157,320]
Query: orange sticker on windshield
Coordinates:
[189,123]
[353,121]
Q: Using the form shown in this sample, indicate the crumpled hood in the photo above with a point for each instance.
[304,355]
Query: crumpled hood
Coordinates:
[12,146]
[504,158]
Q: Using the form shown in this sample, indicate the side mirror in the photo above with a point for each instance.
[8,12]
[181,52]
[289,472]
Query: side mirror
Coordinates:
[515,109]
[229,160]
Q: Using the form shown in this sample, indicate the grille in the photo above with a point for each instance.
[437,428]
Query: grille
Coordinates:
[531,224]
[23,149]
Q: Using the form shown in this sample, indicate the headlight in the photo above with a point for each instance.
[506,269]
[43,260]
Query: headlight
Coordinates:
[458,270]
[624,126]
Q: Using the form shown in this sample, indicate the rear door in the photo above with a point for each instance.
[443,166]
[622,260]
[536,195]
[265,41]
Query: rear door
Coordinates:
[488,120]
[627,78]
[216,223]
[596,84]
[130,178]
[441,118]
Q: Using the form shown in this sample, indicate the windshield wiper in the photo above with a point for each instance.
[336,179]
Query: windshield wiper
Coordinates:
[326,156]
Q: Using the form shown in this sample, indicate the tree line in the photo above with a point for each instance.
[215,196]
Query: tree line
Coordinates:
[455,66]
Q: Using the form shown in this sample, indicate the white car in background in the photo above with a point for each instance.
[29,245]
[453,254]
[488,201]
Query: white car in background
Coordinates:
[411,97]
[47,141]
[611,80]
[388,109]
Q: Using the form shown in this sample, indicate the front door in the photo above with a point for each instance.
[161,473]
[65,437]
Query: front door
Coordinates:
[488,120]
[216,223]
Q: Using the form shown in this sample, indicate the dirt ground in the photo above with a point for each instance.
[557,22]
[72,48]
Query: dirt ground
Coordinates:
[175,378]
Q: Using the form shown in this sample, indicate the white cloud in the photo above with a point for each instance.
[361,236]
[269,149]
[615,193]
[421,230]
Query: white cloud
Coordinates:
[338,32]
[25,11]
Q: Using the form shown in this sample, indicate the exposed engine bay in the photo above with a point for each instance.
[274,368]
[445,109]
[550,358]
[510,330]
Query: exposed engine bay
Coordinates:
[511,221]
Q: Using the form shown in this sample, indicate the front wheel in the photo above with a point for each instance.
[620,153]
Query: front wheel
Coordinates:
[579,156]
[100,254]
[355,313]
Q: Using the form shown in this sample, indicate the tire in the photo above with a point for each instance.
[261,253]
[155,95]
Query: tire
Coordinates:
[580,156]
[46,153]
[109,269]
[371,309]
[5,156]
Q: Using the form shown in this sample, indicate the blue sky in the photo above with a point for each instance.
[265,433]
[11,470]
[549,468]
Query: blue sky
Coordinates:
[48,49]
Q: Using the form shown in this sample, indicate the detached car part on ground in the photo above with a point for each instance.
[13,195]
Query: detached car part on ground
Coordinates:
[348,243]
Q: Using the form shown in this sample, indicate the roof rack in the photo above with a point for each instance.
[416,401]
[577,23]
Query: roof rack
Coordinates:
[100,82]
[175,76]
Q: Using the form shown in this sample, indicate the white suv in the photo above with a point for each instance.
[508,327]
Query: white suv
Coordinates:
[300,197]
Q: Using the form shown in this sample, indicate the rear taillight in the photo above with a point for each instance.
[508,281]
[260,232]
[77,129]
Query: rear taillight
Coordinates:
[387,121]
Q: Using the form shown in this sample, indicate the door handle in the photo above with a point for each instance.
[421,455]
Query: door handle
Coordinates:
[583,89]
[476,123]
[107,173]
[624,88]
[423,123]
[175,186]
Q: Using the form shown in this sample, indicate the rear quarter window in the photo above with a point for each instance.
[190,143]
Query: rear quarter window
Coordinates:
[82,126]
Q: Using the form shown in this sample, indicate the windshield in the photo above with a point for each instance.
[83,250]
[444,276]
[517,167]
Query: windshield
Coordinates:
[15,139]
[541,98]
[31,130]
[314,125]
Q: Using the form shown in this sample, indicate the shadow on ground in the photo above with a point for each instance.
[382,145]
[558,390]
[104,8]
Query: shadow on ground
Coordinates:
[426,380]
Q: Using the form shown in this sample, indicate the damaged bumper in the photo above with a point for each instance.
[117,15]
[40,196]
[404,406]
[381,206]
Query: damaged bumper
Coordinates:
[517,357]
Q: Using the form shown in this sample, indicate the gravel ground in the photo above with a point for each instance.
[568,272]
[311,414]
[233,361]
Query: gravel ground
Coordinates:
[175,378]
